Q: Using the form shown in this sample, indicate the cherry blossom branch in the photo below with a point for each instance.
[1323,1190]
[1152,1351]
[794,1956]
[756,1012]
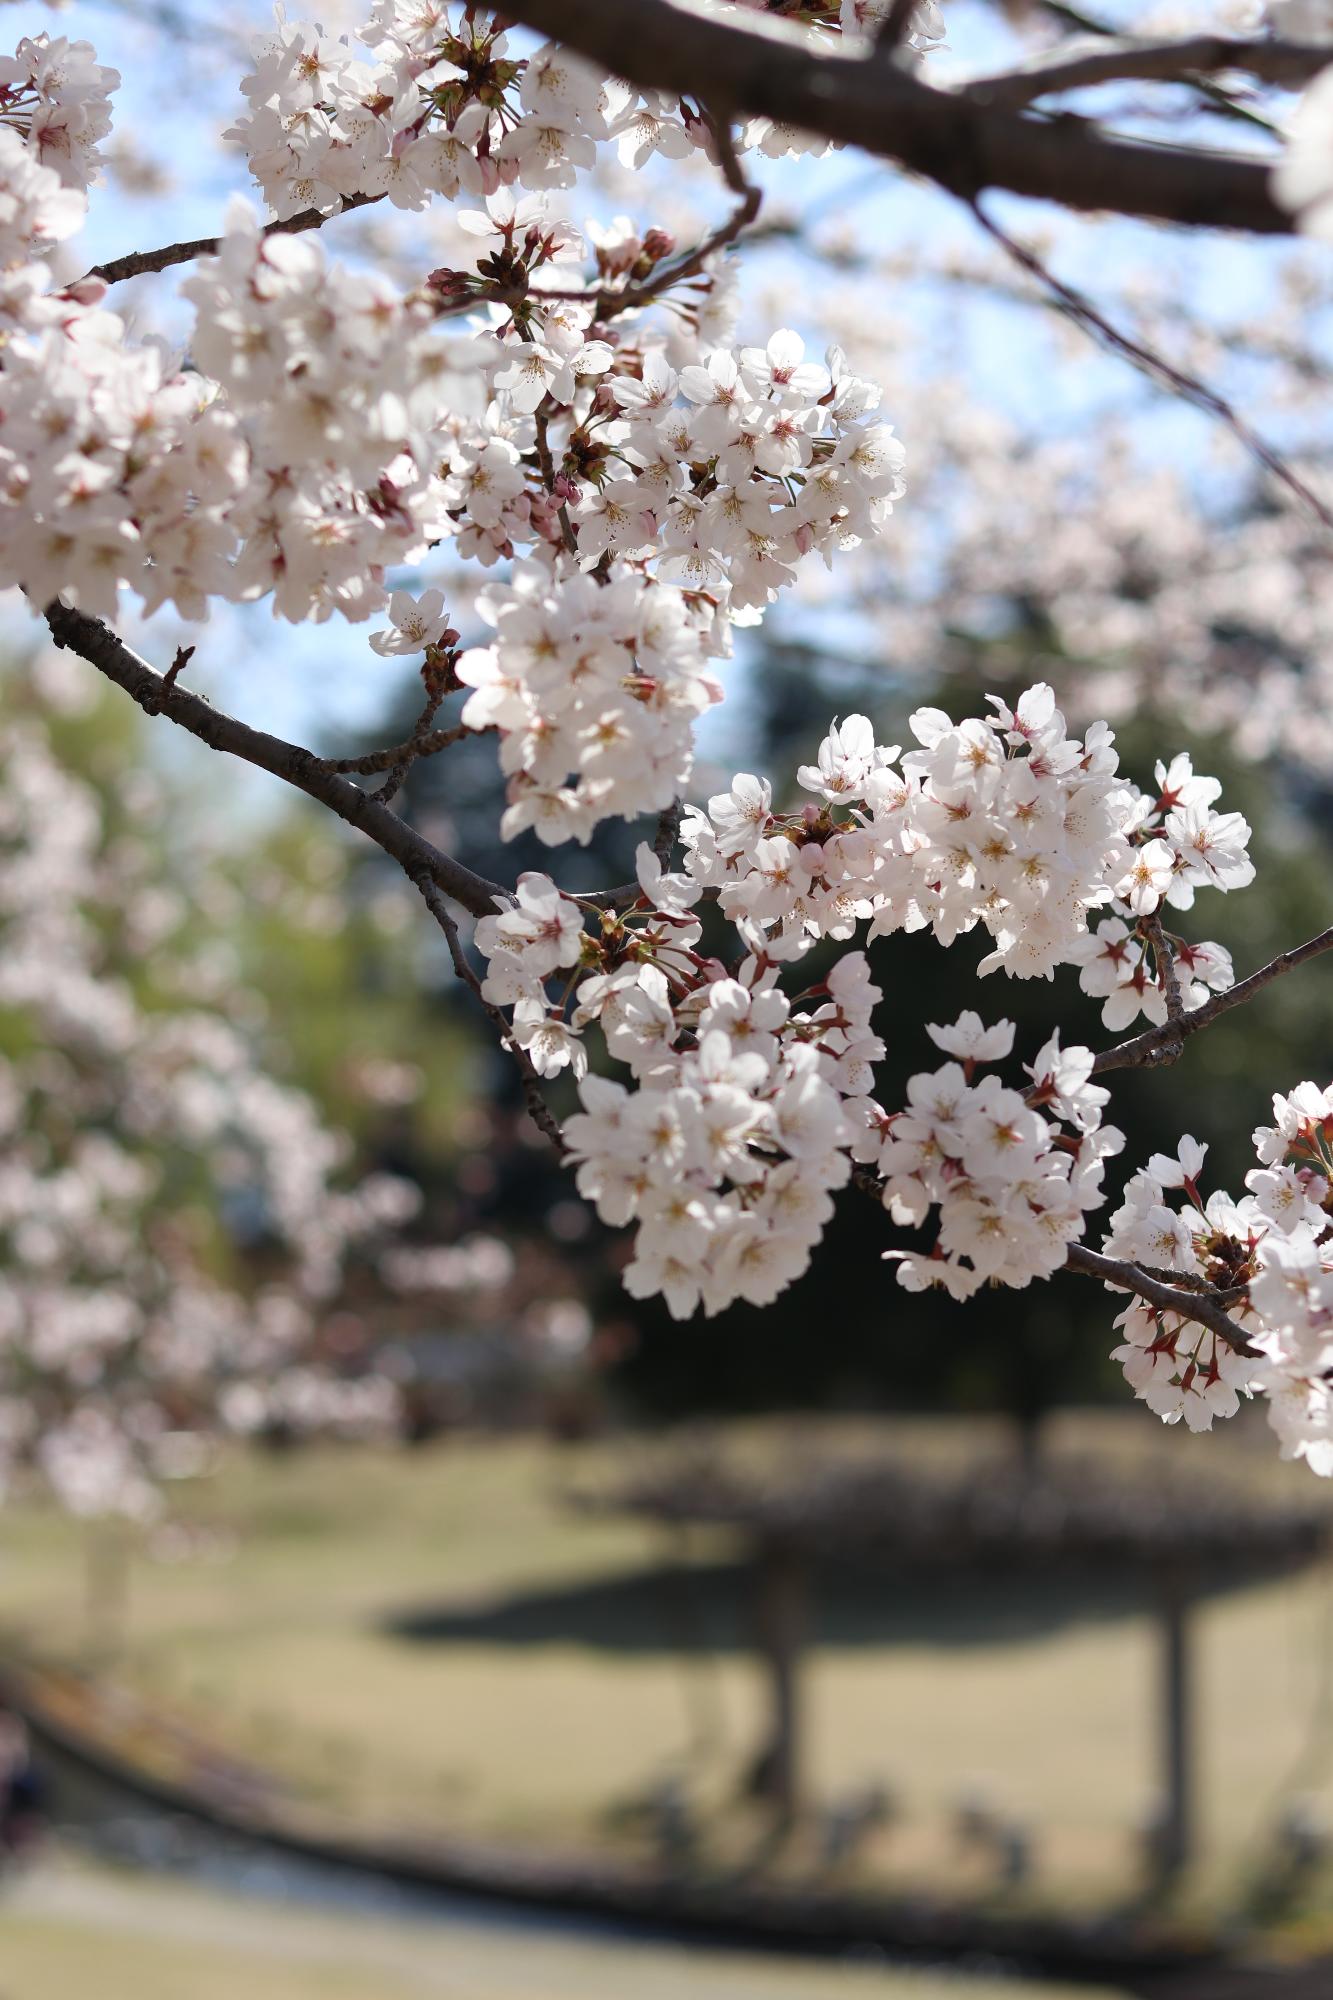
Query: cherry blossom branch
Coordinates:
[664,841]
[434,873]
[95,642]
[1164,961]
[749,198]
[668,826]
[1189,1281]
[1176,1292]
[610,301]
[1290,65]
[1079,308]
[538,1109]
[1164,1044]
[759,66]
[408,752]
[1167,1298]
[136,262]
[546,466]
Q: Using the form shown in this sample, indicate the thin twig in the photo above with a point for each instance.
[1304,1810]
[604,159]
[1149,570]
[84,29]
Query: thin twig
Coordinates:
[184,655]
[538,1109]
[610,300]
[137,262]
[438,674]
[748,201]
[1079,308]
[1290,65]
[1163,1044]
[384,760]
[546,465]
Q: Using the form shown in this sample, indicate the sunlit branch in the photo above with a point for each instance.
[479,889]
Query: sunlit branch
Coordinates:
[1290,65]
[609,300]
[137,262]
[758,66]
[1080,309]
[1163,1044]
[744,213]
[95,642]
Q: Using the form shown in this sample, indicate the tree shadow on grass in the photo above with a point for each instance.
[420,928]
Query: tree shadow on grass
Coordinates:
[708,1607]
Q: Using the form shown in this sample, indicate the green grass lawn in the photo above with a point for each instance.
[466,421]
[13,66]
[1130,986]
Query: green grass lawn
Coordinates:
[74,1931]
[557,1700]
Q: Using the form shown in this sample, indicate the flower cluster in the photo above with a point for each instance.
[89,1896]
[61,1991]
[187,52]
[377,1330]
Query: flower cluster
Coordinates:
[1004,821]
[118,467]
[1181,845]
[341,393]
[1011,1186]
[113,468]
[655,483]
[446,105]
[1268,1257]
[689,495]
[57,97]
[599,681]
[36,213]
[728,1146]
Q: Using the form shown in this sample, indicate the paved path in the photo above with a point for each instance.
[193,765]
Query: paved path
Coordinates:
[66,1927]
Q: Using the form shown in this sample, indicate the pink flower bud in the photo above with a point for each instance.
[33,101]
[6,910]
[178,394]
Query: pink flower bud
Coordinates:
[85,291]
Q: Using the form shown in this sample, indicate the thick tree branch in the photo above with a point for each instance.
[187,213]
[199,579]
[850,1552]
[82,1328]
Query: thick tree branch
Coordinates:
[95,642]
[1164,1044]
[1290,65]
[137,262]
[759,66]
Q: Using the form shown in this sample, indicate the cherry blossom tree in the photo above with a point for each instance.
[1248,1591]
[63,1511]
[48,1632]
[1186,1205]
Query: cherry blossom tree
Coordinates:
[573,413]
[175,1219]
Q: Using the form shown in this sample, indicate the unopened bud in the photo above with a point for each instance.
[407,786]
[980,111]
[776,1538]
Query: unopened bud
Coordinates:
[447,284]
[85,291]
